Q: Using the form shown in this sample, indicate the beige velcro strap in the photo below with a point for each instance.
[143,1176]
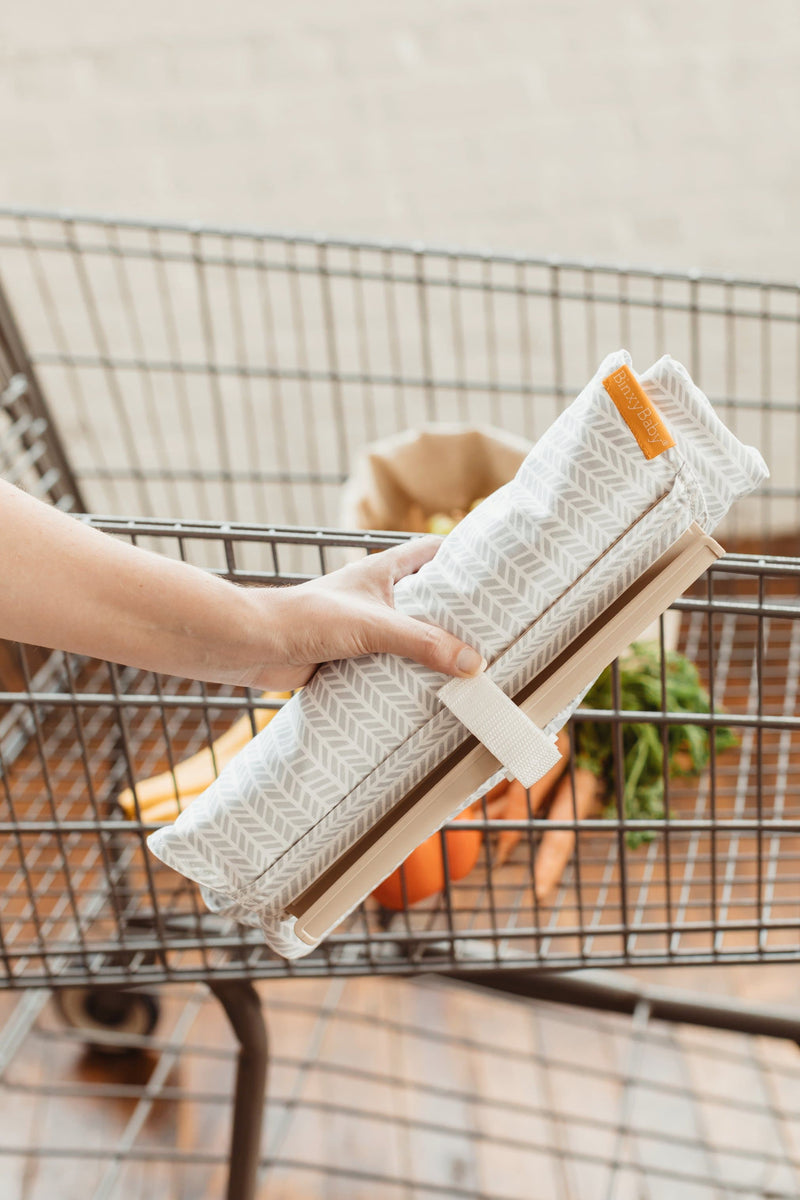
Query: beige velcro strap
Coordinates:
[523,748]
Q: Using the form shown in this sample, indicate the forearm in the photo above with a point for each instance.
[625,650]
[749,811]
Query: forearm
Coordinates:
[67,586]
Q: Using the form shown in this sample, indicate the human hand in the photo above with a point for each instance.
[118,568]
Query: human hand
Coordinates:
[69,587]
[348,613]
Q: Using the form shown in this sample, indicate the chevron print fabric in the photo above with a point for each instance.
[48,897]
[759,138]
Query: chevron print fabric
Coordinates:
[518,578]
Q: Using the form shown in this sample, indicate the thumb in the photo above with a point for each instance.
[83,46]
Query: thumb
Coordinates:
[428,644]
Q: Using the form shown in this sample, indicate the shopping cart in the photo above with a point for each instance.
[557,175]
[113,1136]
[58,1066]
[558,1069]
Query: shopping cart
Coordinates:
[204,393]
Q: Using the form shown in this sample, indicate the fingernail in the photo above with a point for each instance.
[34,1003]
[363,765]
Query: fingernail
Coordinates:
[469,662]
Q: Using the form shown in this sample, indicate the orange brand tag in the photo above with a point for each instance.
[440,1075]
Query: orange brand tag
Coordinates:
[638,411]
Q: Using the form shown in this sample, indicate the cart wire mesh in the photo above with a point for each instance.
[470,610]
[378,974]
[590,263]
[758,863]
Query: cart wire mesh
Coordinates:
[82,898]
[206,373]
[429,1091]
[212,389]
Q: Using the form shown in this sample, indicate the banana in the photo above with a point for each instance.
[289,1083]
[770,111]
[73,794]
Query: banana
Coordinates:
[163,796]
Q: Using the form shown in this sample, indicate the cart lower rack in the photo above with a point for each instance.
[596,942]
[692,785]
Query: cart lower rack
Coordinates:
[454,1095]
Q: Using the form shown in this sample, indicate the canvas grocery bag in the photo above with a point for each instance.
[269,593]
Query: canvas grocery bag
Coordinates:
[399,482]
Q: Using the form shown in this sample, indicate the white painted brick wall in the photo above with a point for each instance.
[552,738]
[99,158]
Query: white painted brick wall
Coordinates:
[651,132]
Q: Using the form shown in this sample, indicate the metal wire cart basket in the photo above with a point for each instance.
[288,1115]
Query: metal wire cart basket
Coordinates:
[204,393]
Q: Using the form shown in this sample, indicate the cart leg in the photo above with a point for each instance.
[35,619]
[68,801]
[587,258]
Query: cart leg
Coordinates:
[243,1009]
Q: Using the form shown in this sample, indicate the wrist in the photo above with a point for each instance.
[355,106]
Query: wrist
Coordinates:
[254,635]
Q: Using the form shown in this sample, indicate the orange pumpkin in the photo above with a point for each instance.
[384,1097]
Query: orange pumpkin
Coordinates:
[423,870]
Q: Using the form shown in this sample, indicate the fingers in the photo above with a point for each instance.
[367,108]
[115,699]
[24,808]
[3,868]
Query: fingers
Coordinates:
[409,557]
[428,645]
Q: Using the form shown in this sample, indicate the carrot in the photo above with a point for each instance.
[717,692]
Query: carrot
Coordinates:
[497,791]
[516,802]
[496,800]
[495,809]
[556,847]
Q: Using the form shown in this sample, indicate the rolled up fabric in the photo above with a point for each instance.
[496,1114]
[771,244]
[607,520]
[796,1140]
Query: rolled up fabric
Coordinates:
[613,483]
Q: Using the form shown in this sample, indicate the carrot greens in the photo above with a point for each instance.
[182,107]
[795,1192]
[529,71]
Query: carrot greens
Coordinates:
[689,747]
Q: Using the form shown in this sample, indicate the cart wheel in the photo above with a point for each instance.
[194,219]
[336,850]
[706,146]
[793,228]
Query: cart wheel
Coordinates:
[109,1010]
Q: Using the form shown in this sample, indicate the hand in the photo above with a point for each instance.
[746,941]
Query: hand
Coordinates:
[69,587]
[351,612]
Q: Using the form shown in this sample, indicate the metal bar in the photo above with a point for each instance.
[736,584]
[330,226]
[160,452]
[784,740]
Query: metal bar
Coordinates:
[333,373]
[65,486]
[51,308]
[126,428]
[213,373]
[169,323]
[331,962]
[610,299]
[243,1009]
[618,993]
[596,824]
[148,397]
[490,326]
[433,249]
[278,422]
[250,447]
[394,379]
[426,350]
[182,936]
[310,535]
[457,328]
[304,374]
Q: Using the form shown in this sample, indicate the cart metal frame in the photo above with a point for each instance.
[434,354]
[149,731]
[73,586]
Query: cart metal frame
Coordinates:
[168,375]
